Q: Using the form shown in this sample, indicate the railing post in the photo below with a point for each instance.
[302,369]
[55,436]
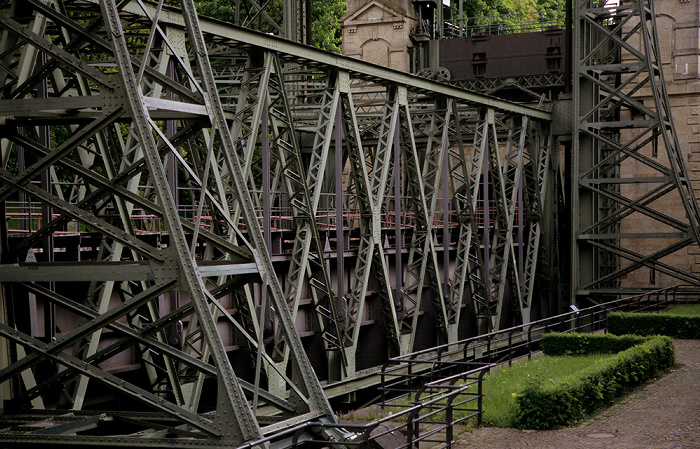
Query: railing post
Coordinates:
[668,292]
[488,347]
[479,399]
[605,319]
[448,419]
[510,348]
[383,385]
[367,435]
[413,427]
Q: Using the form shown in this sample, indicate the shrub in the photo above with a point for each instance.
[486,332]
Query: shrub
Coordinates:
[566,401]
[583,344]
[676,326]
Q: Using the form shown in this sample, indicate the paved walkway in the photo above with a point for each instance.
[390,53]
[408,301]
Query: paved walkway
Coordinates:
[663,415]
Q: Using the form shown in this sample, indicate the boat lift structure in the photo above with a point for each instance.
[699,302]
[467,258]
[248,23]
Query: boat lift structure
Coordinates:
[234,229]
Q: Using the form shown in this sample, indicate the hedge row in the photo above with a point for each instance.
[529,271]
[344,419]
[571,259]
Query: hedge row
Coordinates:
[585,344]
[569,400]
[675,326]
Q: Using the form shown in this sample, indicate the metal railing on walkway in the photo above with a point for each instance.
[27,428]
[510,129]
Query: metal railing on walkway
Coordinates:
[431,419]
[442,386]
[405,374]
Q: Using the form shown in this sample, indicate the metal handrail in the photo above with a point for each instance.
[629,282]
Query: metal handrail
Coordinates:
[421,412]
[399,374]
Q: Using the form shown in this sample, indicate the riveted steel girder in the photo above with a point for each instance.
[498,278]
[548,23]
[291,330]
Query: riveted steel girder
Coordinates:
[221,138]
[118,67]
[537,201]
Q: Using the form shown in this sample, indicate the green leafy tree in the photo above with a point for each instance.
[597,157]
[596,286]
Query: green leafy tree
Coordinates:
[508,12]
[325,27]
[219,9]
[325,15]
[484,8]
[551,9]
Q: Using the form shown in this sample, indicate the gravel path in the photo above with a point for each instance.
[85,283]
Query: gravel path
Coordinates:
[663,415]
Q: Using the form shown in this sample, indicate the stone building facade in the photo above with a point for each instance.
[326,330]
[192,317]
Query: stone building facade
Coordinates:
[678,23]
[378,31]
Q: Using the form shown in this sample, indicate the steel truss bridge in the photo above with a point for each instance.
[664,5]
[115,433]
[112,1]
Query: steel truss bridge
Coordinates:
[317,214]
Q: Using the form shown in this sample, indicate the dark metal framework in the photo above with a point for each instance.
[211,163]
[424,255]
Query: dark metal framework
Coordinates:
[138,99]
[441,203]
[628,167]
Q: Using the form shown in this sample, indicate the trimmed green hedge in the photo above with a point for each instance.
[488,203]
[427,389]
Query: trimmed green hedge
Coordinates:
[584,344]
[564,402]
[675,326]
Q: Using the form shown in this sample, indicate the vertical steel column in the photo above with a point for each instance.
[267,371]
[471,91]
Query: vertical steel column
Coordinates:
[470,279]
[621,108]
[339,207]
[398,218]
[446,212]
[489,129]
[370,196]
[304,189]
[46,214]
[422,186]
[266,168]
[537,204]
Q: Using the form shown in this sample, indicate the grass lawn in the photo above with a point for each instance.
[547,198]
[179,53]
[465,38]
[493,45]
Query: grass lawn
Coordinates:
[686,310]
[502,385]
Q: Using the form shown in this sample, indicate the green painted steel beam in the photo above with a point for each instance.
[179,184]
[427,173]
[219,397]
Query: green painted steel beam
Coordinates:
[303,53]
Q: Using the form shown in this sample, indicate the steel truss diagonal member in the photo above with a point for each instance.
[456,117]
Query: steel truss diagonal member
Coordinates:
[128,172]
[307,259]
[232,408]
[315,403]
[537,201]
[421,267]
[370,255]
[469,281]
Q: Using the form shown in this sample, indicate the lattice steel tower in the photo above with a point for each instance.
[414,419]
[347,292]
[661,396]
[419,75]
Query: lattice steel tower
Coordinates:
[211,230]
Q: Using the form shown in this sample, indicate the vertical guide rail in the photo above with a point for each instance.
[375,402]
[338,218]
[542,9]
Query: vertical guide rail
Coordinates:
[620,111]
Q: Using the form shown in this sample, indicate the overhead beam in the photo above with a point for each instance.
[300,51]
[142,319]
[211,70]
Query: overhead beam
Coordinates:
[293,50]
[106,271]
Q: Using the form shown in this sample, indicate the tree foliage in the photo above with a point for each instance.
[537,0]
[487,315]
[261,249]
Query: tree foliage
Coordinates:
[551,9]
[508,11]
[325,25]
[485,8]
[325,15]
[219,9]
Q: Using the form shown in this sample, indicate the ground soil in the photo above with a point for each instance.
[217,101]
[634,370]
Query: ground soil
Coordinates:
[663,415]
